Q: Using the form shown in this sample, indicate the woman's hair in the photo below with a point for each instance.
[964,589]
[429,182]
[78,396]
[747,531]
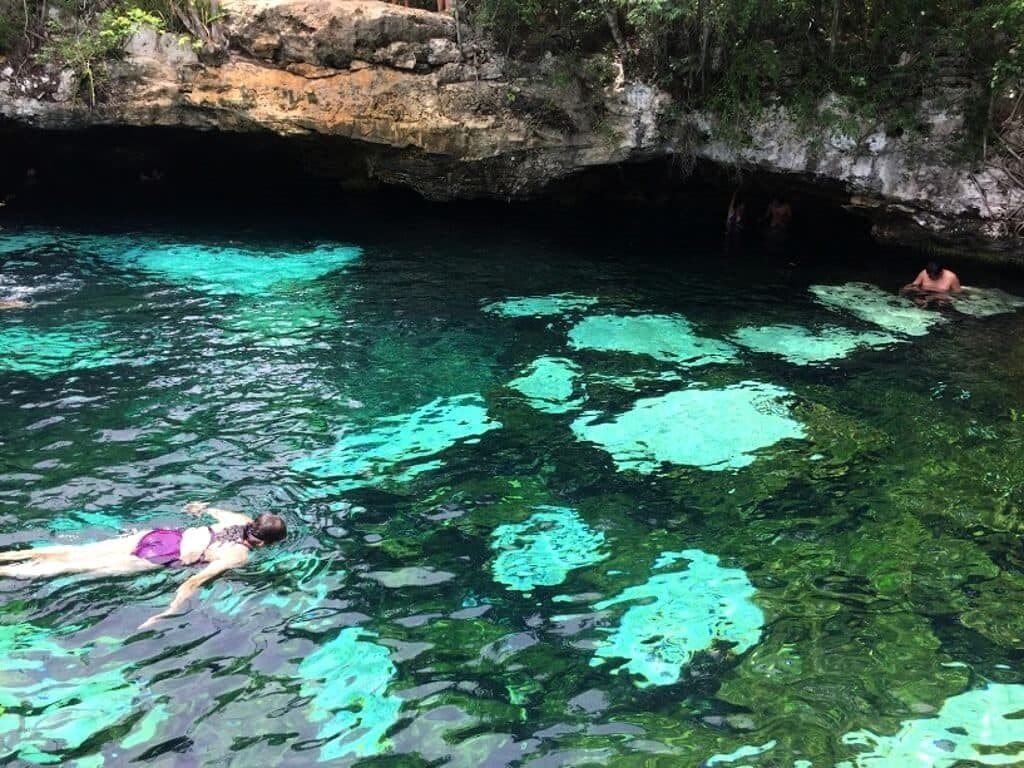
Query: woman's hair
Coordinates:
[268,528]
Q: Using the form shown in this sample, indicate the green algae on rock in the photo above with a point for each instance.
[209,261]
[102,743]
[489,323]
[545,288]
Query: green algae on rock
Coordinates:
[803,346]
[669,338]
[359,458]
[542,550]
[539,306]
[872,304]
[684,612]
[715,429]
[347,680]
[45,352]
[549,385]
[982,727]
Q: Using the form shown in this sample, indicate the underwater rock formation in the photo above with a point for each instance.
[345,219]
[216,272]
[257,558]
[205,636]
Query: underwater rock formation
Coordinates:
[669,338]
[549,385]
[714,429]
[362,458]
[681,614]
[543,549]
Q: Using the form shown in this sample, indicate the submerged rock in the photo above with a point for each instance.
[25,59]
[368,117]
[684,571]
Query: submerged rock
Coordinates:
[986,302]
[803,346]
[715,429]
[982,727]
[347,680]
[229,269]
[683,613]
[361,458]
[549,385]
[669,338]
[543,549]
[872,304]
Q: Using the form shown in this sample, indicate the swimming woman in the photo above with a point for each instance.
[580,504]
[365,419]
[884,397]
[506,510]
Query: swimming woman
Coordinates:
[217,548]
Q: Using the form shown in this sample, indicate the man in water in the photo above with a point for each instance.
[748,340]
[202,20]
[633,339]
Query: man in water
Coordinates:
[934,284]
[13,304]
[217,548]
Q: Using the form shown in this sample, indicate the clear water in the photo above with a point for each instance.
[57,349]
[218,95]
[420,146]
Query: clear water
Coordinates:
[554,500]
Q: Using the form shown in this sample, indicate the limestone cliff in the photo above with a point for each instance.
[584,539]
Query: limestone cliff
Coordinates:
[428,107]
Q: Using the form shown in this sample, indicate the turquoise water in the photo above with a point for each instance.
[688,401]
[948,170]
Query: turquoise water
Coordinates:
[553,501]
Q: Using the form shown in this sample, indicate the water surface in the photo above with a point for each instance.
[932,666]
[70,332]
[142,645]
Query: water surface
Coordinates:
[553,500]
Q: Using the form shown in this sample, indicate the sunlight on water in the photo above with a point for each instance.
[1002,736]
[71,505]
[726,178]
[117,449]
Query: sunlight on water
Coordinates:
[542,550]
[680,614]
[670,338]
[715,429]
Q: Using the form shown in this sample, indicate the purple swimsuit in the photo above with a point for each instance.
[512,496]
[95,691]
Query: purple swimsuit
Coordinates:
[161,546]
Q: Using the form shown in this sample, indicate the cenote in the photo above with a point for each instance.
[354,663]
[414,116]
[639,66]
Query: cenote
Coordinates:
[562,491]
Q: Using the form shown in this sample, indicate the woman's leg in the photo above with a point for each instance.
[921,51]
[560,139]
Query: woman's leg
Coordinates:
[56,566]
[112,556]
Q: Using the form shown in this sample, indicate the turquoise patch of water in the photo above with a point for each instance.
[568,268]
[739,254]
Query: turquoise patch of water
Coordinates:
[44,718]
[539,306]
[542,550]
[684,612]
[45,352]
[715,429]
[549,385]
[77,521]
[872,304]
[739,754]
[803,346]
[367,458]
[986,302]
[348,679]
[982,727]
[670,338]
[230,269]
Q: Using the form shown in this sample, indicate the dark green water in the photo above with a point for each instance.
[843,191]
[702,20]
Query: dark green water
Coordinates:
[514,540]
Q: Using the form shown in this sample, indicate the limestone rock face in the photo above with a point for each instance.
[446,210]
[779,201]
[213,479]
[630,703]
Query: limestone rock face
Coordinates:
[423,104]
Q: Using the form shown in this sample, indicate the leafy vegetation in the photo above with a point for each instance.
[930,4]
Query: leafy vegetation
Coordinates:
[879,56]
[84,35]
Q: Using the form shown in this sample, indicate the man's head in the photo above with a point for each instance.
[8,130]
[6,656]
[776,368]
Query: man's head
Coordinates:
[933,269]
[266,529]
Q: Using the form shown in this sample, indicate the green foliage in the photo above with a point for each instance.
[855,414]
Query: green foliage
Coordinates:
[84,44]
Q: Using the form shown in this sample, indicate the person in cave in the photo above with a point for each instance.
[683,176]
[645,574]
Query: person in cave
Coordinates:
[734,220]
[779,215]
[218,548]
[933,286]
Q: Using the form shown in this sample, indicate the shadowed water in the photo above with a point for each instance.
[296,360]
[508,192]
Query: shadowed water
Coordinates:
[552,501]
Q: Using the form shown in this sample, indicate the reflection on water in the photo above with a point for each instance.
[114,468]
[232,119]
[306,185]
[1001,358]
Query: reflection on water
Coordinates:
[547,508]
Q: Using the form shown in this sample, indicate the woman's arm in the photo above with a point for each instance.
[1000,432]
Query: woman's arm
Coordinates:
[220,515]
[191,585]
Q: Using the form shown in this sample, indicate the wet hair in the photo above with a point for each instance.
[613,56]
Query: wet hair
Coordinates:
[933,270]
[267,528]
